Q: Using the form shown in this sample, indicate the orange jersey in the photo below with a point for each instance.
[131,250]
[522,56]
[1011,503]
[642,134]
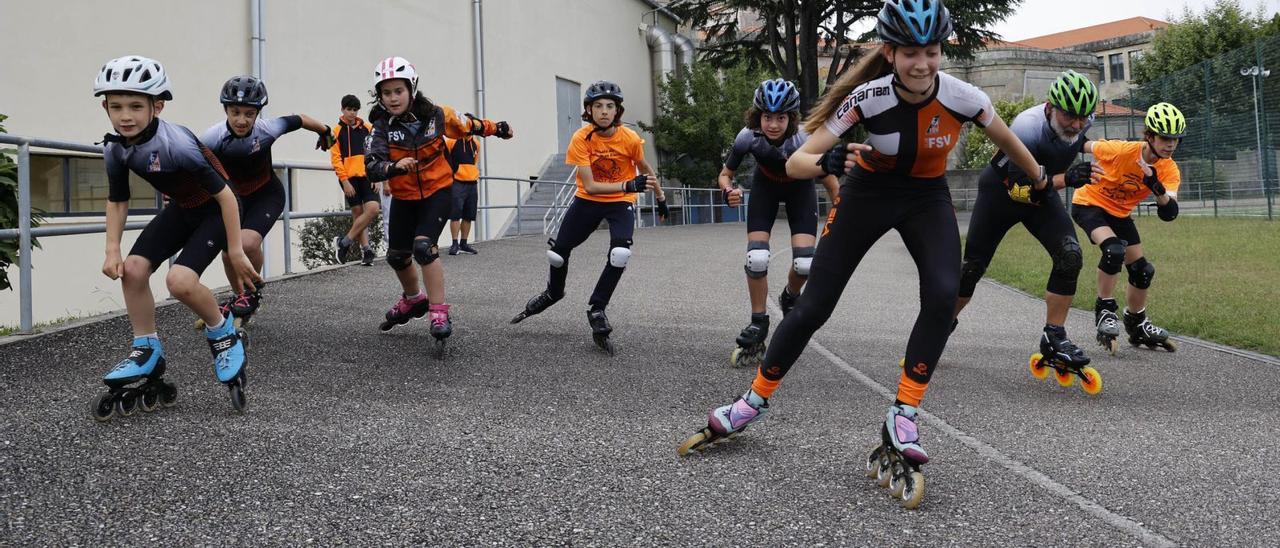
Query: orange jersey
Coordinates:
[1121,189]
[910,139]
[612,159]
[347,153]
[463,154]
[393,140]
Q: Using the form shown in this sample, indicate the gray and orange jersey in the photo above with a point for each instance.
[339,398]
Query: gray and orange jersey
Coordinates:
[771,159]
[170,158]
[910,139]
[1033,129]
[248,159]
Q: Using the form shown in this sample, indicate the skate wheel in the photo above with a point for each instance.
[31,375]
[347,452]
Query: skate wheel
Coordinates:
[902,363]
[149,401]
[733,357]
[1090,381]
[913,490]
[1113,346]
[237,321]
[199,325]
[1170,346]
[1064,378]
[101,407]
[873,463]
[898,481]
[693,443]
[126,404]
[168,395]
[244,337]
[237,397]
[1038,369]
[884,472]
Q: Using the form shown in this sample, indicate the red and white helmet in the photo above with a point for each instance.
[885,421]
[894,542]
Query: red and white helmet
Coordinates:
[392,68]
[133,74]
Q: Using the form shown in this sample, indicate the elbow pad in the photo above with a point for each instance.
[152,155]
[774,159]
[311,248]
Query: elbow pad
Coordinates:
[1168,211]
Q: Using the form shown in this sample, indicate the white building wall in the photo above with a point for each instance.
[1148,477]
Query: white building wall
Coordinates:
[316,52]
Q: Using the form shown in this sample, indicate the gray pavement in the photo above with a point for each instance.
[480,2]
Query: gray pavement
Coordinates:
[529,435]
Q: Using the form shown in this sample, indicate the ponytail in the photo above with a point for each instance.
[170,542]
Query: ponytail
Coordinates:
[870,67]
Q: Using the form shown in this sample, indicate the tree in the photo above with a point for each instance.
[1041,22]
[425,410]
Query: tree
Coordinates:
[977,149]
[9,211]
[699,113]
[1194,37]
[785,40]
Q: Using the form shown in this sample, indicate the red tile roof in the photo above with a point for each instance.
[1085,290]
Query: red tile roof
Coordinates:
[1114,29]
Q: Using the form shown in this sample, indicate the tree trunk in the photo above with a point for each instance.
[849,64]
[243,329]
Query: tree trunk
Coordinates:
[808,52]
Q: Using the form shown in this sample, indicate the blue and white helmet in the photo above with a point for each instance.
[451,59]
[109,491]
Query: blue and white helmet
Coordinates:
[913,22]
[133,74]
[776,95]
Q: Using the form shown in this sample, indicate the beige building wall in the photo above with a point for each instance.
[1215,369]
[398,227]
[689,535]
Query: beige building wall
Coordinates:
[316,51]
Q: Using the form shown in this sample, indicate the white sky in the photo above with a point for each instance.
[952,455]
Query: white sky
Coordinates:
[1039,17]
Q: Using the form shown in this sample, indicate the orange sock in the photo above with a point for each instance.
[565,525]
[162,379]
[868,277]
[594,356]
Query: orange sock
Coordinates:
[764,387]
[910,392]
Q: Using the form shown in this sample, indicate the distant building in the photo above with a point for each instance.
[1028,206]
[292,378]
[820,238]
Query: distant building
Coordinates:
[1115,47]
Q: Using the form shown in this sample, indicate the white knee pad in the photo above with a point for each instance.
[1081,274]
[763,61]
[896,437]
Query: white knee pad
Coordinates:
[555,259]
[757,263]
[801,265]
[619,256]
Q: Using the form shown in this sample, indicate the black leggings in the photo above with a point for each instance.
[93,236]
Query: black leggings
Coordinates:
[994,213]
[582,218]
[413,219]
[922,213]
[800,197]
[197,232]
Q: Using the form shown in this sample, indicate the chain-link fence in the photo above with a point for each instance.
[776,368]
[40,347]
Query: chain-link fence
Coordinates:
[1232,105]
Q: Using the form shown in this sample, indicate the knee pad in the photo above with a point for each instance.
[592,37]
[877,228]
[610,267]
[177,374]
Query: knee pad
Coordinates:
[557,257]
[619,253]
[425,251]
[757,259]
[399,260]
[1069,258]
[1112,255]
[970,274]
[1141,273]
[802,260]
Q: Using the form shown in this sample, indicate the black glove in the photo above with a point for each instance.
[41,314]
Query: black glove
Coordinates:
[639,184]
[1153,183]
[663,212]
[832,161]
[1168,211]
[504,130]
[474,125]
[326,140]
[1079,175]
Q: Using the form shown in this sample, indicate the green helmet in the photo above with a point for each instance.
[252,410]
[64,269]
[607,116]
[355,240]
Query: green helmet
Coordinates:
[1074,94]
[1166,121]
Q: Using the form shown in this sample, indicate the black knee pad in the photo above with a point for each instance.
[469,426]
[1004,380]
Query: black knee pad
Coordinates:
[1141,272]
[425,251]
[399,260]
[970,274]
[1112,255]
[1067,262]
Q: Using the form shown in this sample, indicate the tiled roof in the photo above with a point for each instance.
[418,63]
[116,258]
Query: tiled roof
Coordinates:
[1114,29]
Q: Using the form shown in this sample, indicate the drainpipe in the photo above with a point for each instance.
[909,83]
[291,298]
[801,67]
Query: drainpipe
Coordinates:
[684,51]
[258,51]
[661,47]
[477,21]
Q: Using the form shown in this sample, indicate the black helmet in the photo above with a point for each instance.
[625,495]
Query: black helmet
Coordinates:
[602,90]
[244,90]
[913,22]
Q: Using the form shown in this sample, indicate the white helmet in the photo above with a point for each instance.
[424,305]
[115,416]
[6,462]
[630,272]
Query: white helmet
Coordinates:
[133,74]
[392,68]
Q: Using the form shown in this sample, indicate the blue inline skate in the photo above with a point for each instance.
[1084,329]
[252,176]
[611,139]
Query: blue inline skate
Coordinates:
[228,345]
[124,396]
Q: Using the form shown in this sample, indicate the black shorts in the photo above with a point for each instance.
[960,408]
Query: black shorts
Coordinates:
[801,198]
[464,201]
[1091,217]
[364,192]
[197,232]
[260,211]
[411,219]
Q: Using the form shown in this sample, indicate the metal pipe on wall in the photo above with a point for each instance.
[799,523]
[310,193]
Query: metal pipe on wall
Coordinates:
[477,20]
[257,52]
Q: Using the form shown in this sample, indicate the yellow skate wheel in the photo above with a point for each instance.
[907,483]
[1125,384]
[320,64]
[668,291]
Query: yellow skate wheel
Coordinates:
[1114,346]
[199,324]
[1038,370]
[1065,378]
[1090,381]
[687,446]
[913,491]
[733,356]
[1170,346]
[902,363]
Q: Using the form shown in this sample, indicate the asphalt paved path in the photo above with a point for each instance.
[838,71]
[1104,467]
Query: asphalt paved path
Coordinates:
[528,434]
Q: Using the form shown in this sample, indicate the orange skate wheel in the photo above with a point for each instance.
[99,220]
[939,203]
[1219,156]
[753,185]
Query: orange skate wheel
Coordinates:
[1038,370]
[1090,381]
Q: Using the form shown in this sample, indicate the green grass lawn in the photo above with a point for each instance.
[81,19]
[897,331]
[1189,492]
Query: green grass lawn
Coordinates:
[1216,279]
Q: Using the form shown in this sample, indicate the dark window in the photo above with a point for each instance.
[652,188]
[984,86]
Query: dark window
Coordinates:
[1102,68]
[77,185]
[1116,60]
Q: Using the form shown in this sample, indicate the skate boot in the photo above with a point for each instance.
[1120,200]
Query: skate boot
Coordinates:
[342,248]
[228,345]
[245,304]
[404,310]
[1104,316]
[786,301]
[146,364]
[1067,361]
[224,308]
[896,462]
[751,342]
[536,305]
[600,329]
[464,247]
[367,256]
[441,326]
[1142,332]
[726,422]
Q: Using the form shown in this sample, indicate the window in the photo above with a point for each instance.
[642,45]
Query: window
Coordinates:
[77,185]
[1102,68]
[1117,67]
[1133,59]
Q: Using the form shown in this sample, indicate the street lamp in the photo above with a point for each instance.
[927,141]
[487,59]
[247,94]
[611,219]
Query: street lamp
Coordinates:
[1254,73]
